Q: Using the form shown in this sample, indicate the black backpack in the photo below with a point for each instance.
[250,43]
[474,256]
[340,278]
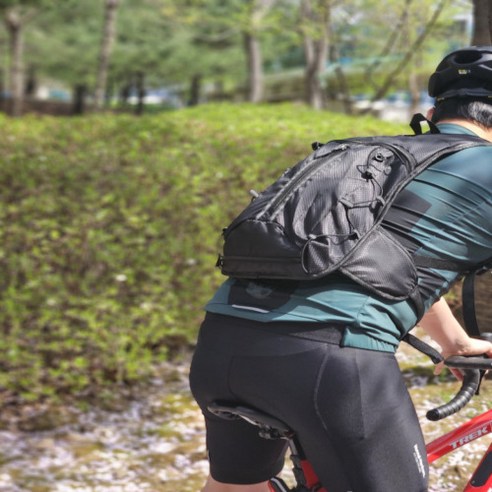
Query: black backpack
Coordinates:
[323,215]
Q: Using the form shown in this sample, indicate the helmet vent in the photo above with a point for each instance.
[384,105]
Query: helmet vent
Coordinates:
[466,57]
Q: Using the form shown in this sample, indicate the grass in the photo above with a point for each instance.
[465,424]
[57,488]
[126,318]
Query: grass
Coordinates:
[110,226]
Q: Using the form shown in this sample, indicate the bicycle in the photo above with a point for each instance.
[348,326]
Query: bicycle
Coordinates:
[473,369]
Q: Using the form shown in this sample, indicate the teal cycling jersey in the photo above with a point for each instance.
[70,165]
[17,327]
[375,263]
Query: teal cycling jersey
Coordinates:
[444,213]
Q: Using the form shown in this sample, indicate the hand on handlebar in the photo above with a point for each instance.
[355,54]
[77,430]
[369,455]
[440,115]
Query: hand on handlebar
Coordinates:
[474,359]
[456,372]
[442,326]
[470,369]
[474,346]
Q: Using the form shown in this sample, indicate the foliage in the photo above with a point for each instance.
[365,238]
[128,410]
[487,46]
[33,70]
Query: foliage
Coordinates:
[62,43]
[6,4]
[110,227]
[172,42]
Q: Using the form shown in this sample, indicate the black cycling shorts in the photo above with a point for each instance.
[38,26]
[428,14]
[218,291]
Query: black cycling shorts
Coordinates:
[349,407]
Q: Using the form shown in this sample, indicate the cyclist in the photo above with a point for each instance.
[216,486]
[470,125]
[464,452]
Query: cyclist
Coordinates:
[319,355]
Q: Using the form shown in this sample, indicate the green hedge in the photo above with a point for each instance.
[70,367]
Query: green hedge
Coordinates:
[110,226]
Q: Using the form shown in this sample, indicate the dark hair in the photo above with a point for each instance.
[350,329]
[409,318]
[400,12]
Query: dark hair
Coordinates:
[478,111]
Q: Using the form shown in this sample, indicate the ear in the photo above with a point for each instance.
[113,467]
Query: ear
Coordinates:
[430,113]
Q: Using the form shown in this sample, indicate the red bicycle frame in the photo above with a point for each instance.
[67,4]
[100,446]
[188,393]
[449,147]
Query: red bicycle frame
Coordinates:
[481,480]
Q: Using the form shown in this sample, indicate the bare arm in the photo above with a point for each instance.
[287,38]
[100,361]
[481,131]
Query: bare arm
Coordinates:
[441,325]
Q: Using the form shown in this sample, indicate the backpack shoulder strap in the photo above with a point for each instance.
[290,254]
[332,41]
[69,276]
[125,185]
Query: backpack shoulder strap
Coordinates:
[416,124]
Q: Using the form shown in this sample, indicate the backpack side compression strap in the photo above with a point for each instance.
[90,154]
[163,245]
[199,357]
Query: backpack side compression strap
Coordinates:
[468,289]
[468,299]
[440,264]
[468,305]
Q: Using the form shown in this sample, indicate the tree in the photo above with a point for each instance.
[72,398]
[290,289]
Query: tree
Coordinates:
[194,46]
[222,25]
[386,44]
[64,44]
[109,34]
[315,26]
[258,9]
[67,47]
[482,21]
[17,13]
[412,49]
[204,37]
[169,46]
[490,18]
[14,24]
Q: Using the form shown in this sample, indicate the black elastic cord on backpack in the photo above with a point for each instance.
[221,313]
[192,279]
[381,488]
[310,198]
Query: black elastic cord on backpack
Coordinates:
[415,124]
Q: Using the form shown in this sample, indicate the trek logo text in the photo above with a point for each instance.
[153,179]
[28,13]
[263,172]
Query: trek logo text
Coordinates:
[482,431]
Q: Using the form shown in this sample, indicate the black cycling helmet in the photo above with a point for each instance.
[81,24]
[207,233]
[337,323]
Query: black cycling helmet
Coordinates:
[463,73]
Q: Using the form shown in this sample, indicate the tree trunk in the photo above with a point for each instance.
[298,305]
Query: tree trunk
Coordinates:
[414,90]
[125,94]
[255,69]
[140,82]
[481,20]
[315,15]
[79,93]
[413,85]
[13,22]
[490,18]
[344,90]
[109,93]
[195,89]
[2,84]
[31,82]
[258,10]
[109,34]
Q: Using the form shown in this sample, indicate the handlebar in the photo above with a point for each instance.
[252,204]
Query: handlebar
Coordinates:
[473,368]
[471,381]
